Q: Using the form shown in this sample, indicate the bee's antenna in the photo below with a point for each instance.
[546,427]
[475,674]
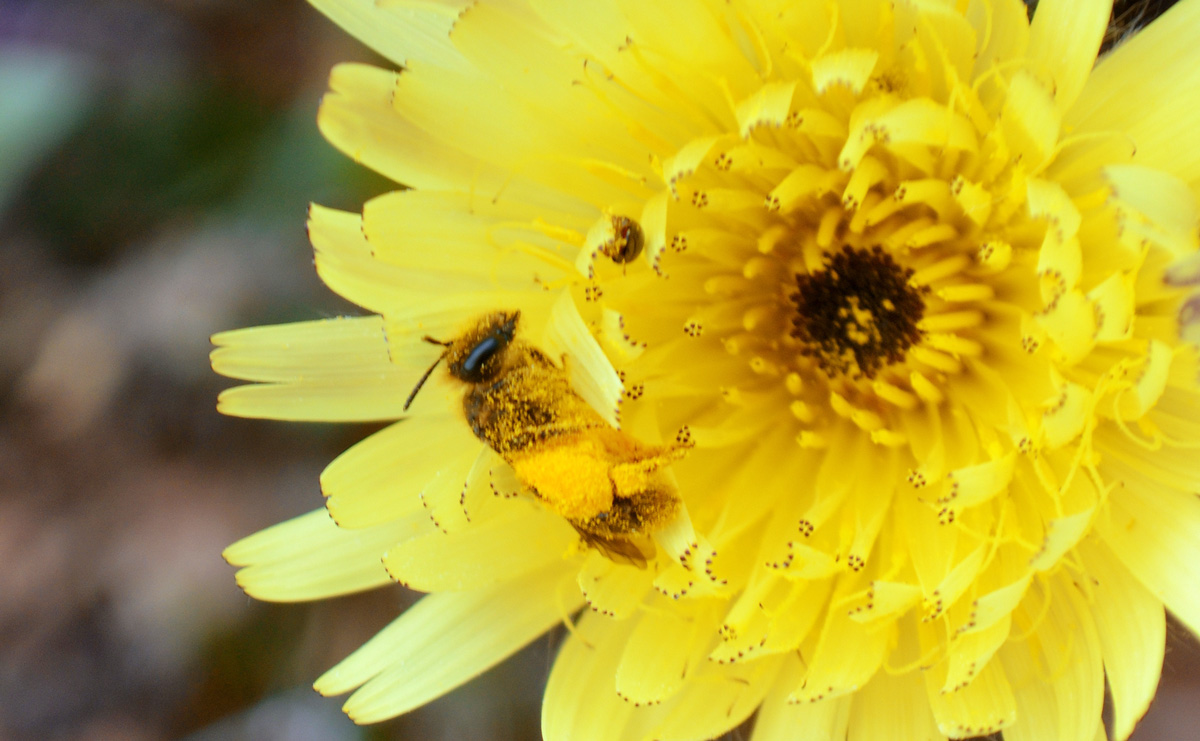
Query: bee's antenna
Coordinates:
[432,341]
[424,378]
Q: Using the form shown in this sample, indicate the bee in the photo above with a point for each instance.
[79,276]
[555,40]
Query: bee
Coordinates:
[608,485]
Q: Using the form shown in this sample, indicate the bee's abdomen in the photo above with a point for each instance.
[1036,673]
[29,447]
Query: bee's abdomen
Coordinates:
[524,408]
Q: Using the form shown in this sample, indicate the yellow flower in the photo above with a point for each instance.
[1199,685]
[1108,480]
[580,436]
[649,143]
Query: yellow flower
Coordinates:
[917,277]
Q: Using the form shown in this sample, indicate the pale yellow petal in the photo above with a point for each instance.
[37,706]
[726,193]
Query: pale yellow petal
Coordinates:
[382,477]
[1037,704]
[613,589]
[892,708]
[716,699]
[545,79]
[309,557]
[401,30]
[1064,37]
[832,670]
[1132,630]
[668,644]
[445,640]
[693,50]
[821,720]
[366,116]
[592,374]
[1004,32]
[581,703]
[404,277]
[1154,531]
[484,553]
[981,708]
[326,370]
[1148,89]
[1055,670]
[474,113]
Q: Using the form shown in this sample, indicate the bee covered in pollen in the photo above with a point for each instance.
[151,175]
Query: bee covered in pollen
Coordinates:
[611,487]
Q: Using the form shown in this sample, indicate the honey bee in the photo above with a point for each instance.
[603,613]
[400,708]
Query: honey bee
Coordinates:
[608,485]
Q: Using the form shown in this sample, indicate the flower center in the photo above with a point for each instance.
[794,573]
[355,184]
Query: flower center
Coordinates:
[858,313]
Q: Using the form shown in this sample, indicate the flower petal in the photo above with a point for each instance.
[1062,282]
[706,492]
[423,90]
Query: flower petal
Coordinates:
[326,370]
[716,699]
[483,554]
[382,477]
[667,645]
[613,589]
[1055,668]
[309,557]
[1064,37]
[834,671]
[779,718]
[981,708]
[892,708]
[592,374]
[1155,532]
[401,30]
[1132,629]
[445,640]
[1148,89]
[581,703]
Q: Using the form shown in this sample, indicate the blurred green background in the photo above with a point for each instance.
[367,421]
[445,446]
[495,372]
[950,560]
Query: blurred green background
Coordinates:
[156,161]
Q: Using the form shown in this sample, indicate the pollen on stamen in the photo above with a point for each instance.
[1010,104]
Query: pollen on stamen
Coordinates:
[859,313]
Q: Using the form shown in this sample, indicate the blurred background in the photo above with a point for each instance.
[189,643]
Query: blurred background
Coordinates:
[156,161]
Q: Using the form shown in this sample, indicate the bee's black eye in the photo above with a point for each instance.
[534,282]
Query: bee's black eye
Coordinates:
[472,367]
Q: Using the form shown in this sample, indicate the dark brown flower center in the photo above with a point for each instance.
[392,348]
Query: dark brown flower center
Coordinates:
[857,314]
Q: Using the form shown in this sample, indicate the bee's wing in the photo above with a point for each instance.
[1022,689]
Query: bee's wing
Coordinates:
[619,550]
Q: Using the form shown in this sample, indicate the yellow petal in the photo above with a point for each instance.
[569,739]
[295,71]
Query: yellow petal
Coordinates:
[591,372]
[309,557]
[1132,630]
[327,370]
[1062,534]
[970,653]
[401,30]
[667,645]
[1030,120]
[1148,89]
[981,708]
[779,718]
[445,640]
[1067,416]
[1071,648]
[892,708]
[1004,33]
[1064,37]
[1056,672]
[613,589]
[1155,532]
[768,106]
[834,671]
[581,703]
[715,700]
[482,554]
[850,68]
[382,477]
[1155,205]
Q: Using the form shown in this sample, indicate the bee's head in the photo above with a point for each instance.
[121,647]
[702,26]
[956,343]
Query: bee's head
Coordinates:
[475,356]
